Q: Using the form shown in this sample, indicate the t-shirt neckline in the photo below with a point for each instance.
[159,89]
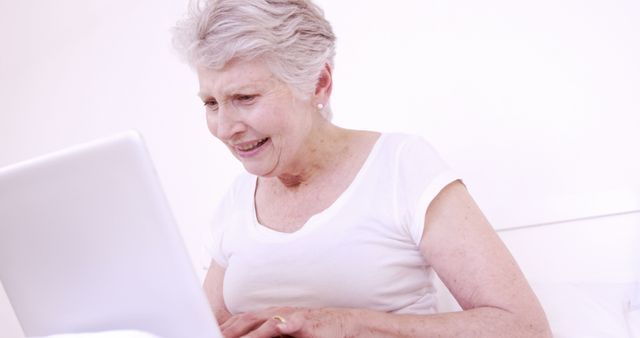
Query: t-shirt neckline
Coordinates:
[314,220]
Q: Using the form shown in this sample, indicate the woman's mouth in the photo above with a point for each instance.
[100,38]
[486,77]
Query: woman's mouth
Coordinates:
[250,149]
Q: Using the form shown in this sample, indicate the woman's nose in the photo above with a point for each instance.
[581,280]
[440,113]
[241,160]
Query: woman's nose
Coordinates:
[228,124]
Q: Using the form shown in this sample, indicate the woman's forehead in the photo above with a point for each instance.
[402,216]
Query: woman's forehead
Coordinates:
[235,76]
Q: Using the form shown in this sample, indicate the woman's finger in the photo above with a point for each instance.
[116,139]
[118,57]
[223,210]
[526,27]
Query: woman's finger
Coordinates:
[292,323]
[229,323]
[240,325]
[268,329]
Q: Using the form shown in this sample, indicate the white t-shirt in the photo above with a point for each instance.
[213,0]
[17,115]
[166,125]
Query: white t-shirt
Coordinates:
[361,252]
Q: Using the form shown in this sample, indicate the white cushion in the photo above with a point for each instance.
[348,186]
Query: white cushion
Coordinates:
[586,310]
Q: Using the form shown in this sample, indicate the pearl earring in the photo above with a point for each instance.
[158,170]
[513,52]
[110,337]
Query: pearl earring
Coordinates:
[320,106]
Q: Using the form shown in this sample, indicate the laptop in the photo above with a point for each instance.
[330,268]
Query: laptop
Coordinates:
[88,243]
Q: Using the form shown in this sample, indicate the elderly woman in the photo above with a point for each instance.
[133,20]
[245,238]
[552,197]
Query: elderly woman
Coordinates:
[334,232]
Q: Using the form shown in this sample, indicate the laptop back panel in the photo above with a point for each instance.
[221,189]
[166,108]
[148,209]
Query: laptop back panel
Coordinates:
[88,243]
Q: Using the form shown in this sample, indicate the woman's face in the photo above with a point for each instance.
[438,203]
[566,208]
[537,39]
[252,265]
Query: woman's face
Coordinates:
[256,116]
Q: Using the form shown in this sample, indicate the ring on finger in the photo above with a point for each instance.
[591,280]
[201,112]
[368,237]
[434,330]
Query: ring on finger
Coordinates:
[280,319]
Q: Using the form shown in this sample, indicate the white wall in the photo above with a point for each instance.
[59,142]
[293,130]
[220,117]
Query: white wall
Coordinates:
[535,103]
[527,99]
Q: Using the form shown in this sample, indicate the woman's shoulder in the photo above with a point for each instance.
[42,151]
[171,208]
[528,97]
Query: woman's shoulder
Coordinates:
[404,143]
[388,138]
[404,137]
[394,147]
[411,153]
[243,181]
[237,190]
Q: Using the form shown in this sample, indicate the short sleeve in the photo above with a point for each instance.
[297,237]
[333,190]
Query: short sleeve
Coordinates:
[421,175]
[214,234]
[226,215]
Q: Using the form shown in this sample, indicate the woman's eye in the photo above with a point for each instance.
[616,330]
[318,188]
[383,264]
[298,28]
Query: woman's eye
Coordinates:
[211,104]
[246,98]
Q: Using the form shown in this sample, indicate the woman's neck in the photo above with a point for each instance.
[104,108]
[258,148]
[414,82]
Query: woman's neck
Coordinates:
[325,147]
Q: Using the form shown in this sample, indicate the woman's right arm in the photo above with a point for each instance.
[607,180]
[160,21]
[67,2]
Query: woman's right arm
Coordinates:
[213,289]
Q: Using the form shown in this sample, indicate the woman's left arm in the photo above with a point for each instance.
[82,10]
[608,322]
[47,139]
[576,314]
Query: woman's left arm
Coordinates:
[473,263]
[478,269]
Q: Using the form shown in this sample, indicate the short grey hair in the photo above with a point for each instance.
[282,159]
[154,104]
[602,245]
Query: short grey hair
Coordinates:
[292,36]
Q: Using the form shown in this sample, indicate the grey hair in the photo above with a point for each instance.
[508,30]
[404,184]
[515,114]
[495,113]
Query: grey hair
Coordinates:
[292,36]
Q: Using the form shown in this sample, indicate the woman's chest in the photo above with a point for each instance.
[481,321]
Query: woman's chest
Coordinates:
[362,266]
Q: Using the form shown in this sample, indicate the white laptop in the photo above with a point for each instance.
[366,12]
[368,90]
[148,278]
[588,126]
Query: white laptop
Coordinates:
[88,243]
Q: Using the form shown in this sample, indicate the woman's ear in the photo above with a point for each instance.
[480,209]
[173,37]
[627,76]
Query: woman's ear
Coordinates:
[325,84]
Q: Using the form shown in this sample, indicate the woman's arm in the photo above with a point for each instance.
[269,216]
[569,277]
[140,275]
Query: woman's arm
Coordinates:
[213,289]
[472,262]
[475,265]
[478,269]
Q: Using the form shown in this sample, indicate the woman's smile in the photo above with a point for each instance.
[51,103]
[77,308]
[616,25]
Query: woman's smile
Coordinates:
[252,148]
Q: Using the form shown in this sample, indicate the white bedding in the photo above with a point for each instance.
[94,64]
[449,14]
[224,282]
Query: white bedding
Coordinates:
[590,310]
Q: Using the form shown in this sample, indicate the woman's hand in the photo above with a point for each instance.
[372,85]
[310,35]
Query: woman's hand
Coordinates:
[292,321]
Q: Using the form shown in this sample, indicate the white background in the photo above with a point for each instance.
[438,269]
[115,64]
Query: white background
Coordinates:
[536,104]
